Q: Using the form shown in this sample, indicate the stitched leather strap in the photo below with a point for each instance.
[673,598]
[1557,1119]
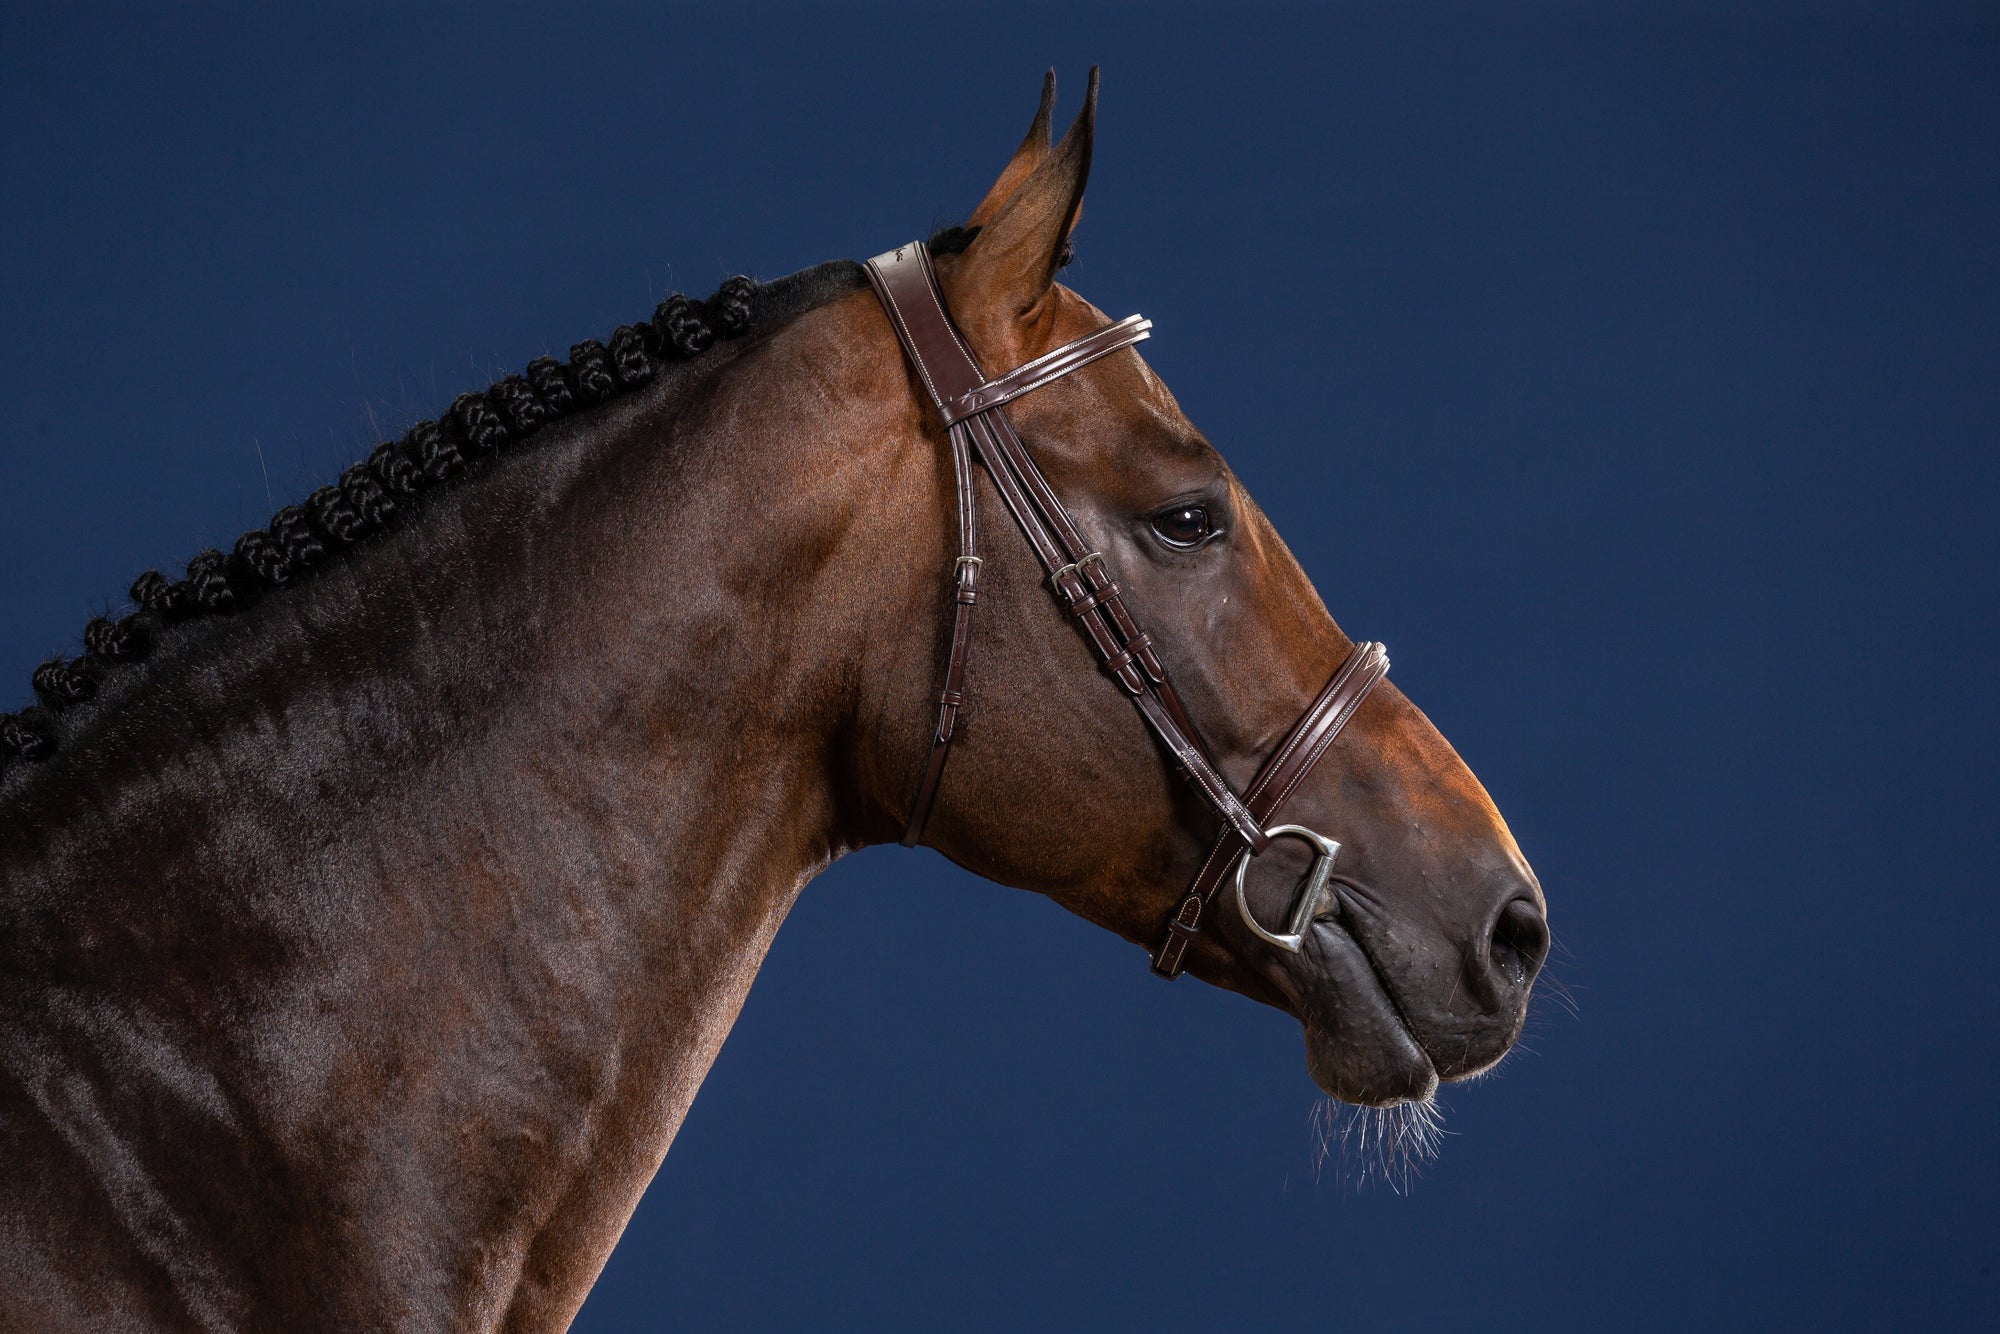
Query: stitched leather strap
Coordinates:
[1273,786]
[1050,366]
[969,405]
[904,280]
[908,290]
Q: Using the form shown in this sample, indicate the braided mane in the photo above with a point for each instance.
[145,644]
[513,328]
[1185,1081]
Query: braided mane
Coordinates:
[376,493]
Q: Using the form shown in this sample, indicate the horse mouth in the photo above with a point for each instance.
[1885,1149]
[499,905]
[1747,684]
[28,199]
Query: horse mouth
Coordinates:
[1359,1048]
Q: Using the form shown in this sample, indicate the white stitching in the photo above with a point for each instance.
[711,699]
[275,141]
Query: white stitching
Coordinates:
[1340,721]
[909,343]
[1298,738]
[971,401]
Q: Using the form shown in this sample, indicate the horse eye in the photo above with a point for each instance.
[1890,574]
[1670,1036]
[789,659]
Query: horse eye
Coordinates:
[1184,526]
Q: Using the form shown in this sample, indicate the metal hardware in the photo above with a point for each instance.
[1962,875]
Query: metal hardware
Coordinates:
[1305,905]
[1074,567]
[973,561]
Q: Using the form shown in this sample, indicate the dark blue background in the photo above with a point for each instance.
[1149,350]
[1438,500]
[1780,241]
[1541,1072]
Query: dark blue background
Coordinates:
[1631,372]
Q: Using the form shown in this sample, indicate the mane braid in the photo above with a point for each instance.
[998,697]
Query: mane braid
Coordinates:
[368,498]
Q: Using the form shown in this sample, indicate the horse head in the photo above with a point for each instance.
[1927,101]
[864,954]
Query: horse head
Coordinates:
[1416,959]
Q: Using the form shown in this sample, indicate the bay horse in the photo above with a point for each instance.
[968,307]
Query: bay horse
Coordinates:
[377,894]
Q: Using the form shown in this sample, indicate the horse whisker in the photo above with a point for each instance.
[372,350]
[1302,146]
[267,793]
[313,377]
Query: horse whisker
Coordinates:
[1391,1145]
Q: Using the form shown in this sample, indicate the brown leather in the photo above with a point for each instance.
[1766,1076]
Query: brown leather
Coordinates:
[1034,374]
[908,286]
[969,405]
[1270,789]
[909,292]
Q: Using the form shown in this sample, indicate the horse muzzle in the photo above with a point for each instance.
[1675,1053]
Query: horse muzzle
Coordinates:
[1390,1008]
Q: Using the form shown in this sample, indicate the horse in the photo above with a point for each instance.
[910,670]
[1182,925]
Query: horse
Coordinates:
[375,896]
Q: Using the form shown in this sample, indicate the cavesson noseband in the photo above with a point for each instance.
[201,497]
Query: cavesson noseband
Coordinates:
[970,405]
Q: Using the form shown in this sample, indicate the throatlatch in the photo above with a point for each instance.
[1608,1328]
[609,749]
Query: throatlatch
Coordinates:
[970,406]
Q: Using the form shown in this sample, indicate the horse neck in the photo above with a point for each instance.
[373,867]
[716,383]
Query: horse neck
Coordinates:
[462,855]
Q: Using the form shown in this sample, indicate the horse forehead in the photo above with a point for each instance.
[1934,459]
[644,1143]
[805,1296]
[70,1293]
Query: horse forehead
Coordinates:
[1118,404]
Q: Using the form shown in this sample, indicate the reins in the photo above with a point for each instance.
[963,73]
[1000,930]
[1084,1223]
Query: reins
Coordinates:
[1079,577]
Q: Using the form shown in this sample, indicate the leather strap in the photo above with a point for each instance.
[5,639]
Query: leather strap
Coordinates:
[1050,366]
[969,405]
[908,290]
[904,280]
[907,284]
[1273,786]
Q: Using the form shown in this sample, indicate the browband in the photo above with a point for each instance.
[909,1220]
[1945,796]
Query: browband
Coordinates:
[1034,374]
[969,404]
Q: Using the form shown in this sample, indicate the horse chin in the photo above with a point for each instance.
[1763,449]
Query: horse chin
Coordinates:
[1358,1049]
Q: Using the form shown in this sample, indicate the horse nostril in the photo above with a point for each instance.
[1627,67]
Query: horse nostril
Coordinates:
[1520,943]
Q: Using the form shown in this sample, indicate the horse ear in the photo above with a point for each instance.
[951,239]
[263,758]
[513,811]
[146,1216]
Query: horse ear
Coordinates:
[1011,264]
[1026,158]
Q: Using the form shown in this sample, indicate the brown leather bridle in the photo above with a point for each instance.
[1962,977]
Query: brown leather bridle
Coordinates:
[970,405]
